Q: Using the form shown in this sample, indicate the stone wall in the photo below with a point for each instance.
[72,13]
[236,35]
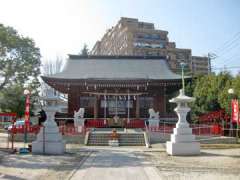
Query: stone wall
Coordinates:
[76,139]
[156,137]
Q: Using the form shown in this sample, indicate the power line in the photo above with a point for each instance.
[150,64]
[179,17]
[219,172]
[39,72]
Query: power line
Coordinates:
[233,59]
[230,59]
[228,49]
[228,42]
[225,67]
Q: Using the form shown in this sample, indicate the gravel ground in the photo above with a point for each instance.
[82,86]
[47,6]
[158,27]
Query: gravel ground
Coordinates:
[213,164]
[40,167]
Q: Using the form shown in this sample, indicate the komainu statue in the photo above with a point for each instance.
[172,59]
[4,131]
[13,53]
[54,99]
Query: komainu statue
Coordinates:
[153,120]
[153,114]
[79,113]
[79,117]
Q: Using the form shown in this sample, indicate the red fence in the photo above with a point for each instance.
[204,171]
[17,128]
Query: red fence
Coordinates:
[21,129]
[196,129]
[95,123]
[100,123]
[135,123]
[65,130]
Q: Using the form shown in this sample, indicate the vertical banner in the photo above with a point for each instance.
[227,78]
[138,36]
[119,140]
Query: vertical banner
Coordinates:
[235,111]
[27,111]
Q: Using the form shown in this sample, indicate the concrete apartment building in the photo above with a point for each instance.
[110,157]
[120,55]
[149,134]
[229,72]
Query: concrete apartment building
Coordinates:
[132,37]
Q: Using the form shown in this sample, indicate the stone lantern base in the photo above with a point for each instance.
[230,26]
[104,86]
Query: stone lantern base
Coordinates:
[49,140]
[183,142]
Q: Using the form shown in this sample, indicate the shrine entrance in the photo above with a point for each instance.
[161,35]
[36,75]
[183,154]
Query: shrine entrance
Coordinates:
[115,109]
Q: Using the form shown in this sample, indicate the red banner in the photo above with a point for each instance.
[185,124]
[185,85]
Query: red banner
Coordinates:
[235,111]
[27,110]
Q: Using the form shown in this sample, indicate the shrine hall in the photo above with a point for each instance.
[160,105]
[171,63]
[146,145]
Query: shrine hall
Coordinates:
[123,86]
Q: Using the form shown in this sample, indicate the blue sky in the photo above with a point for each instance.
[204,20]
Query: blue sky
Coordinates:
[60,27]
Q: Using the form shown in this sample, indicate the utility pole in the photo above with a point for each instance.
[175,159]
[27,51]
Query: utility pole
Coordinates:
[210,56]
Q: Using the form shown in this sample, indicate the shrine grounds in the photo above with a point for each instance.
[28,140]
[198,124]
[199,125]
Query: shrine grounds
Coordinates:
[91,162]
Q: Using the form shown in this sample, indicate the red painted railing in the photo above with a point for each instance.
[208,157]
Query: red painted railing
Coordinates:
[135,123]
[95,123]
[100,123]
[163,128]
[21,129]
[196,129]
[65,130]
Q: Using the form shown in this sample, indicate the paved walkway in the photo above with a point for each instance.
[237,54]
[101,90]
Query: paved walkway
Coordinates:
[110,164]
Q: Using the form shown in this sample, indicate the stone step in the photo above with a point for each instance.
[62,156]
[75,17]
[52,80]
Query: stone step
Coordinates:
[125,139]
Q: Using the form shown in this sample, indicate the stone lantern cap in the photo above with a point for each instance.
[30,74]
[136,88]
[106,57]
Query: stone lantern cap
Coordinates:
[182,98]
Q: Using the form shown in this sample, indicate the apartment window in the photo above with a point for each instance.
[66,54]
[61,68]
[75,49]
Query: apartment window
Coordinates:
[147,36]
[155,36]
[161,45]
[140,36]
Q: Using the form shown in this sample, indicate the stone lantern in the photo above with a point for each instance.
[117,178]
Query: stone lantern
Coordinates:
[182,140]
[49,139]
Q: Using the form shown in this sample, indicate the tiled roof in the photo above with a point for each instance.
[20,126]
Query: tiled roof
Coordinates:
[116,68]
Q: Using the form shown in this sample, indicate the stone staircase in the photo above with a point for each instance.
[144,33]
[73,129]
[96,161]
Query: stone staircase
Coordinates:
[125,139]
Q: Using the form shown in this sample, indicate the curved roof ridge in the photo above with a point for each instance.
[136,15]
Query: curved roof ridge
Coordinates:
[115,68]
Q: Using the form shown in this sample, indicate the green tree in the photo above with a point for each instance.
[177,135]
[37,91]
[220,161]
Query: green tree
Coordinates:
[19,67]
[210,92]
[19,58]
[12,99]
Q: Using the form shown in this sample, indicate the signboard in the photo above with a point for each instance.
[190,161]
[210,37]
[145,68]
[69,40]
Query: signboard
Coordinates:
[235,111]
[119,103]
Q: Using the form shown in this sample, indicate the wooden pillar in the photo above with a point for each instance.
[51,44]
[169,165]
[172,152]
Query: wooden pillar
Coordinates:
[137,107]
[69,103]
[96,103]
[73,100]
[159,101]
[164,100]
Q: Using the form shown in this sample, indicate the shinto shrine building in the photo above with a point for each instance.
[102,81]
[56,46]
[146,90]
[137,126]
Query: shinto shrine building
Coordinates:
[123,86]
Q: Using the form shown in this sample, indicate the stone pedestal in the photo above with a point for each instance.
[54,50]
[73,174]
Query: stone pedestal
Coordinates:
[79,122]
[49,140]
[113,143]
[182,140]
[153,122]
